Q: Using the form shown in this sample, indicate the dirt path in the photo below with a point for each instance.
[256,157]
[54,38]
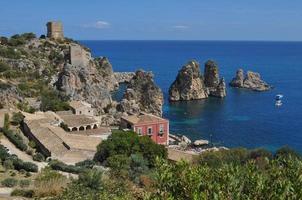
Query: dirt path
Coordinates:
[22,155]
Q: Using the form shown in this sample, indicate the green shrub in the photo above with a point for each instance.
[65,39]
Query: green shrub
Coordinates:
[4,67]
[58,165]
[29,36]
[38,157]
[9,53]
[124,144]
[32,144]
[23,193]
[6,121]
[16,139]
[17,118]
[8,164]
[3,40]
[86,164]
[27,166]
[9,182]
[24,183]
[3,153]
[286,152]
[54,101]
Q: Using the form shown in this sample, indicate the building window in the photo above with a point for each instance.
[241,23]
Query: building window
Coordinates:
[80,112]
[149,131]
[139,131]
[161,130]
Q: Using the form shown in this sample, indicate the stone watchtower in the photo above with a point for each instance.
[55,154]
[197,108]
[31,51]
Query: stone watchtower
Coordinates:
[55,30]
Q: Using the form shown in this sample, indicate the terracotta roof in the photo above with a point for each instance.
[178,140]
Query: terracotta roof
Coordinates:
[143,118]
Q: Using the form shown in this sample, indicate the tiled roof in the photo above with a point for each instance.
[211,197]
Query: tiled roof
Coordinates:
[77,120]
[143,118]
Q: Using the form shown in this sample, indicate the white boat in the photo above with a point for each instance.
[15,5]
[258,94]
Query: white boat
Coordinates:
[278,100]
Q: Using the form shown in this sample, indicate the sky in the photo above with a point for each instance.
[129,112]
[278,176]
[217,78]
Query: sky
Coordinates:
[273,20]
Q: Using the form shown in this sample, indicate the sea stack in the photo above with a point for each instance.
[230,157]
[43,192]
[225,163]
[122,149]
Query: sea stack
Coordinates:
[252,81]
[142,94]
[191,85]
[216,87]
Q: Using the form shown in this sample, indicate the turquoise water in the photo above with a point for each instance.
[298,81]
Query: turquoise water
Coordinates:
[243,118]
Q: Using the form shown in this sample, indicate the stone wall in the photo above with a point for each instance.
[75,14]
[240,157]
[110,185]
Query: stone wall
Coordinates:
[79,56]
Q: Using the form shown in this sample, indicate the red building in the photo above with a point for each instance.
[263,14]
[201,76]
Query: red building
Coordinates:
[155,127]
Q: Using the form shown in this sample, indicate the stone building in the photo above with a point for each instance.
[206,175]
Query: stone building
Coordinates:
[81,108]
[55,30]
[79,56]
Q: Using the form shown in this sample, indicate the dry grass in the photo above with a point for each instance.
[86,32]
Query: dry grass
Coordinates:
[49,183]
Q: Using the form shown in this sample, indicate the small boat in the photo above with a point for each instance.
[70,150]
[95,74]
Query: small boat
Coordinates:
[279,97]
[278,100]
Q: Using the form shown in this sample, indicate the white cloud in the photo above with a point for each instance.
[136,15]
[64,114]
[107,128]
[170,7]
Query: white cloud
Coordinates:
[97,25]
[180,27]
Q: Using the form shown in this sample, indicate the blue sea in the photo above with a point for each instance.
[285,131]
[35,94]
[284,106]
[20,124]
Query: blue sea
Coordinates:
[244,118]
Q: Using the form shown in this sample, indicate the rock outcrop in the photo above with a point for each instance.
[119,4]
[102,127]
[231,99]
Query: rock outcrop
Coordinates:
[251,81]
[216,87]
[9,95]
[142,94]
[91,83]
[123,77]
[191,85]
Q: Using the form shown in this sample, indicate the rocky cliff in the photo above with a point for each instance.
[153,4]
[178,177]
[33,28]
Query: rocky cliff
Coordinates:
[91,83]
[251,80]
[142,94]
[191,85]
[35,66]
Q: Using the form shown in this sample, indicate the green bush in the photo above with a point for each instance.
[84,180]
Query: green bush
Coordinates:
[3,40]
[27,166]
[6,121]
[24,183]
[9,182]
[4,67]
[17,118]
[32,144]
[38,157]
[3,153]
[124,144]
[86,164]
[8,164]
[23,193]
[8,52]
[16,139]
[60,166]
[54,101]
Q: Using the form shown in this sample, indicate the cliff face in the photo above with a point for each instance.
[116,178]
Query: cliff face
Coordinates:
[142,94]
[91,83]
[190,84]
[251,81]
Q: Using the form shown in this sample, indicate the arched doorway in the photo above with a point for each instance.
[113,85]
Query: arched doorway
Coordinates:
[82,128]
[95,126]
[74,129]
[88,127]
